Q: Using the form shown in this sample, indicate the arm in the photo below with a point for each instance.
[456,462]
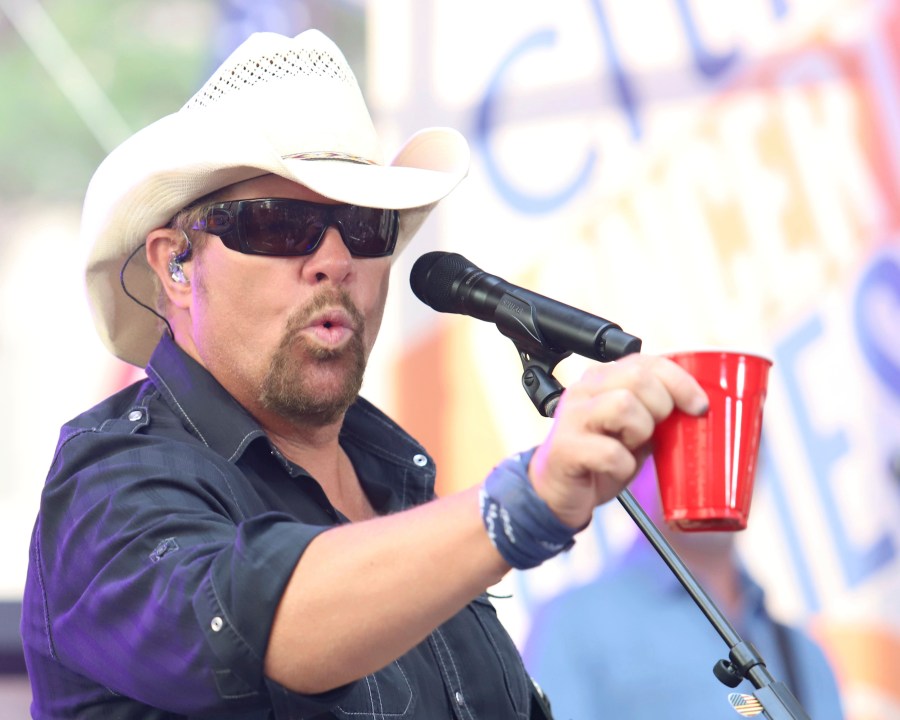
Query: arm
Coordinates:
[341,615]
[139,544]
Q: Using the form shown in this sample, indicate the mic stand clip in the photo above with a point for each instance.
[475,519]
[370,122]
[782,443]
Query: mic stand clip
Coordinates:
[515,320]
[539,384]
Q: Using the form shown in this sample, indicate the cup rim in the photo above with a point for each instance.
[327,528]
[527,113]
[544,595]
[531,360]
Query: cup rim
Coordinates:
[711,350]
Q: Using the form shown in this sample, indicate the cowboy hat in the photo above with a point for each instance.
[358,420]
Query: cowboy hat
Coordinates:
[286,106]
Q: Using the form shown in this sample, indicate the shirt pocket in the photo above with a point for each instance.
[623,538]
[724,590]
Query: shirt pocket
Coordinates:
[387,693]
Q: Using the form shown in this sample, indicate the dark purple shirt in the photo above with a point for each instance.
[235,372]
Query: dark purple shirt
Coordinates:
[169,526]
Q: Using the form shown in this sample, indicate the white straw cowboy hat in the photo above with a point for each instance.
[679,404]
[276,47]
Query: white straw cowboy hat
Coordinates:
[280,105]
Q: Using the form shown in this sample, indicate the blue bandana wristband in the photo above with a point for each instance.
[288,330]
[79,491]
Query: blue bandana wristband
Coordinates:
[519,523]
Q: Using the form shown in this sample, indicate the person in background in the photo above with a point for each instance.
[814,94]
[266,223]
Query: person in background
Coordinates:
[632,643]
[241,535]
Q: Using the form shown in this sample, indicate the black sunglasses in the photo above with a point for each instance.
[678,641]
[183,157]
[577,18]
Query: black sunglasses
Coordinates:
[280,226]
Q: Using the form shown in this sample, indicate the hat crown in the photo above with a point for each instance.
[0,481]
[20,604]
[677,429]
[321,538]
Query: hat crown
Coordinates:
[299,92]
[269,57]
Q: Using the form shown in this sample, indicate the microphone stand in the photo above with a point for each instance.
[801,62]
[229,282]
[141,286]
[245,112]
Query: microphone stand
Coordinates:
[772,698]
[775,700]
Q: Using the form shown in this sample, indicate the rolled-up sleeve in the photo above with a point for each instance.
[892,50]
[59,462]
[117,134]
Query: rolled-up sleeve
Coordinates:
[151,563]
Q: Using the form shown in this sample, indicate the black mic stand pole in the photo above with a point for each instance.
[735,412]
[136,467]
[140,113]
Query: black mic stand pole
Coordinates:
[775,700]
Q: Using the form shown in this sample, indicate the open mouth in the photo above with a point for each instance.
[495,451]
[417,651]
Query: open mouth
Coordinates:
[332,327]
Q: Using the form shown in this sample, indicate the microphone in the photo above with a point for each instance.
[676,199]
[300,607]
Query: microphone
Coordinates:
[448,282]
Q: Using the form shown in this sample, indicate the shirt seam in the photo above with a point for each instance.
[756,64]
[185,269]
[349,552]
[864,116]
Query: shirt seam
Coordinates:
[380,711]
[231,623]
[438,635]
[165,386]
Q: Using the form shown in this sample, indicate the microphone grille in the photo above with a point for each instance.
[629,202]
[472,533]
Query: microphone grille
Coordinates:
[432,277]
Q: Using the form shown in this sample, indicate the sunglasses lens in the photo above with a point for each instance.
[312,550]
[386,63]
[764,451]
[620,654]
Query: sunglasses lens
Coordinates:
[271,227]
[368,232]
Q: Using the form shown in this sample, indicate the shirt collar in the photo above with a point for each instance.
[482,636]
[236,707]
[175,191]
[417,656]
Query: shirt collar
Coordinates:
[223,425]
[205,407]
[388,461]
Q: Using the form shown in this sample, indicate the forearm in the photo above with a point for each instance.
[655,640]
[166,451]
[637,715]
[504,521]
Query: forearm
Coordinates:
[365,593]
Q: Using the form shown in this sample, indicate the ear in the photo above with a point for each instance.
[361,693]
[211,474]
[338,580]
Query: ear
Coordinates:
[164,246]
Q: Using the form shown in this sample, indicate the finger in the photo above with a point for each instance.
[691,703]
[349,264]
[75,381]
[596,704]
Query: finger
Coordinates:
[683,387]
[593,433]
[635,378]
[621,414]
[585,457]
[574,474]
[657,381]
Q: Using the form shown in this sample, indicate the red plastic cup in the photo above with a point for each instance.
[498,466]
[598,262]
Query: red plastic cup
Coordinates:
[706,465]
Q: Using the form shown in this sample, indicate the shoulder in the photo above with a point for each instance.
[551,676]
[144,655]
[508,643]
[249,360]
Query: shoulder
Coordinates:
[126,442]
[137,411]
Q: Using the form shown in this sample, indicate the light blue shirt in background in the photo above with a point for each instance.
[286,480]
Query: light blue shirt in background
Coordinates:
[633,644]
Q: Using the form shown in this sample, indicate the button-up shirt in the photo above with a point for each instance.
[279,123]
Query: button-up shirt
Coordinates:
[168,528]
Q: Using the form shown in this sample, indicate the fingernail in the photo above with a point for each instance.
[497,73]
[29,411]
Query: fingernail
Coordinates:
[700,406]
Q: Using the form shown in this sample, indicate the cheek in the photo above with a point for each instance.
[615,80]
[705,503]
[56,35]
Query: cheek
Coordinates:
[231,303]
[376,311]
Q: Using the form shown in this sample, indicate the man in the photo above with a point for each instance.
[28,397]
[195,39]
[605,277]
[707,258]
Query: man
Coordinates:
[632,643]
[239,535]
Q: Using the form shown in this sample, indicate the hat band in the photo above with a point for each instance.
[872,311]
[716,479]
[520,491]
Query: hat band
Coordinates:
[328,155]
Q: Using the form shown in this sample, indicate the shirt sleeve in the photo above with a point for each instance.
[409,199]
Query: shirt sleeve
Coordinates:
[150,567]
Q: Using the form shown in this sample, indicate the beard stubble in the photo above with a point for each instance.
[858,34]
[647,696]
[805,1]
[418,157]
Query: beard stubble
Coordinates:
[291,387]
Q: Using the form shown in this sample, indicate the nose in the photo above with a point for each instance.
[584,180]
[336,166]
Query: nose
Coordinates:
[331,260]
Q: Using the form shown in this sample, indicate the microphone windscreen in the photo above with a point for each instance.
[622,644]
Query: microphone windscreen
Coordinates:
[432,277]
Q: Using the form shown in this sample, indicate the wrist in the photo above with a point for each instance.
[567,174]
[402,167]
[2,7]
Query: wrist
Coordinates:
[520,524]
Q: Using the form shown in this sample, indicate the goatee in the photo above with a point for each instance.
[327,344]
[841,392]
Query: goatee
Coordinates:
[293,388]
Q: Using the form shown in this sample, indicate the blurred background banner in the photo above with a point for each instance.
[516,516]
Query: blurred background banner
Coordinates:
[701,173]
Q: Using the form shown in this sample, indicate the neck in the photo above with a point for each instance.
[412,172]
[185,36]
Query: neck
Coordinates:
[318,451]
[307,442]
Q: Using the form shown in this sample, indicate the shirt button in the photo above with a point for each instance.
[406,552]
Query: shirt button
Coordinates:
[420,460]
[216,624]
[459,698]
[135,415]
